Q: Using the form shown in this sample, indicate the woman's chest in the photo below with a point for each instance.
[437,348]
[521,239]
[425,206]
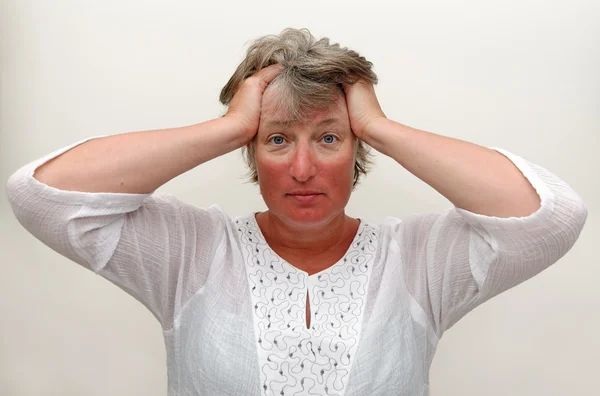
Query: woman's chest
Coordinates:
[247,332]
[307,326]
[239,341]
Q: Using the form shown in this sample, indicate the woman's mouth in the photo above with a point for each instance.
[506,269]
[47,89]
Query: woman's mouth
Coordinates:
[307,197]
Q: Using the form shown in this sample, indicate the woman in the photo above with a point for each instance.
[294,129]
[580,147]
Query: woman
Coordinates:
[300,299]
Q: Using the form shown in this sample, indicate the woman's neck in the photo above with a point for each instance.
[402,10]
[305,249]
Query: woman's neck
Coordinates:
[308,245]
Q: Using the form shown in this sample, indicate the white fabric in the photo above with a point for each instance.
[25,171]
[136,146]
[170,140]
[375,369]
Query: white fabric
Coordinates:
[193,269]
[292,357]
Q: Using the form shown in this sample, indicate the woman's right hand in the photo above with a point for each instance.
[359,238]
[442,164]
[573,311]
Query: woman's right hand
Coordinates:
[245,106]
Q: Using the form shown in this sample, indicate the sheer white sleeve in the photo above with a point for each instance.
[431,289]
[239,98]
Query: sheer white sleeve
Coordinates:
[153,246]
[456,260]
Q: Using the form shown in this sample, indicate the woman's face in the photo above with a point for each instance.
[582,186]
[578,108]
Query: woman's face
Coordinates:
[317,156]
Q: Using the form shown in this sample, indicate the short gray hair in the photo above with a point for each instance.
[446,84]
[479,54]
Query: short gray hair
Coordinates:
[311,80]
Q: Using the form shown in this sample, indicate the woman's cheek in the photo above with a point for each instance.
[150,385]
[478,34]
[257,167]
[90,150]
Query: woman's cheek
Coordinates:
[339,176]
[269,174]
[274,168]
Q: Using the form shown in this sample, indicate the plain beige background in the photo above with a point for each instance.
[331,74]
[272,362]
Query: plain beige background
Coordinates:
[520,75]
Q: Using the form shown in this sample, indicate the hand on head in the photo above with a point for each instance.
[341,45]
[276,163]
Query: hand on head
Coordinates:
[361,101]
[363,106]
[246,103]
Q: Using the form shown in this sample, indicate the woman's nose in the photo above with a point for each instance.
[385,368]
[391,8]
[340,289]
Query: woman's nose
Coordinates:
[303,166]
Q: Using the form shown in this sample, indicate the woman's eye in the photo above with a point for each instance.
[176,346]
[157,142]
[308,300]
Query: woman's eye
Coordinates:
[278,140]
[329,139]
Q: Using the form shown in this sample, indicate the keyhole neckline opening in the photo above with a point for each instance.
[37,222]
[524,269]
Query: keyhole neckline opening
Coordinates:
[309,318]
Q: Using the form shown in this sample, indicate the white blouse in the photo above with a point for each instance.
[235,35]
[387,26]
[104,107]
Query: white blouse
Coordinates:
[233,312]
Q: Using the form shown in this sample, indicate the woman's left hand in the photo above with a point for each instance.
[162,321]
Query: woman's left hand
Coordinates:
[363,106]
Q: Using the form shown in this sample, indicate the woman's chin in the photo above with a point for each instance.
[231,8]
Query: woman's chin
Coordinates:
[309,216]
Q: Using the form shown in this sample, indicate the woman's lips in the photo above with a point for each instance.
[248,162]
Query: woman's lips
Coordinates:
[305,198]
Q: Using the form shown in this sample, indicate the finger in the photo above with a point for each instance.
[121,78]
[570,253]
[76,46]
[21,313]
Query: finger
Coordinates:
[268,74]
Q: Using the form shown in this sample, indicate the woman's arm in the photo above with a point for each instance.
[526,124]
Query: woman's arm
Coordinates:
[141,162]
[94,202]
[512,220]
[472,177]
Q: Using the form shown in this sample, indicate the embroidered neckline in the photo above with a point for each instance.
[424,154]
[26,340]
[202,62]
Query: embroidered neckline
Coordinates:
[291,358]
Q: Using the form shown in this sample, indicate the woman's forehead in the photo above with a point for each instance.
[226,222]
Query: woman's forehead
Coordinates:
[275,114]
